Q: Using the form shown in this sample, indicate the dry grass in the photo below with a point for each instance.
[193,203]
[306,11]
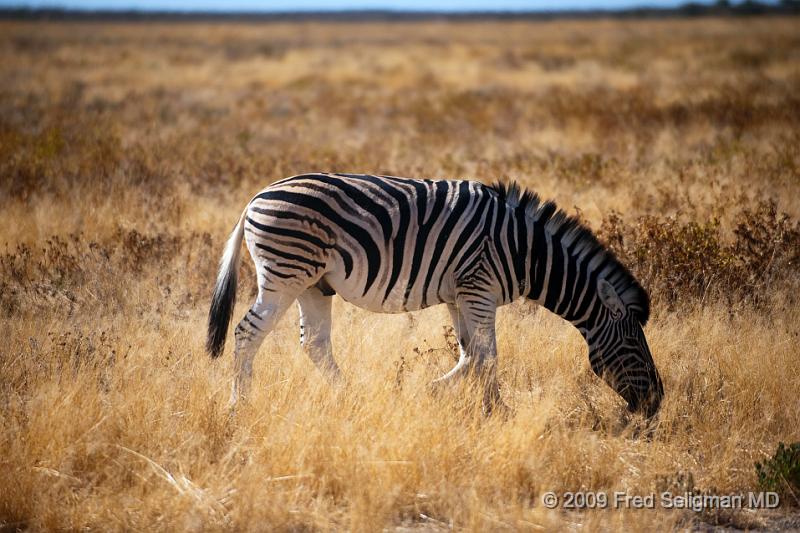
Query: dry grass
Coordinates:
[128,151]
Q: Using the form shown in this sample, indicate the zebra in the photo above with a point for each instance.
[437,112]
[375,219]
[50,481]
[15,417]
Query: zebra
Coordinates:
[391,245]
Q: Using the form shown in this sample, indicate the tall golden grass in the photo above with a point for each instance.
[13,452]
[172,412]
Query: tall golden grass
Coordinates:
[127,152]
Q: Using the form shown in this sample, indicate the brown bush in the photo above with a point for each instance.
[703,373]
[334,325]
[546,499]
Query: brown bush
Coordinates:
[55,158]
[75,274]
[684,260]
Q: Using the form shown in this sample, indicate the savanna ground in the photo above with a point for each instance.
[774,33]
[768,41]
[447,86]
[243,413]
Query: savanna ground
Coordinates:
[127,152]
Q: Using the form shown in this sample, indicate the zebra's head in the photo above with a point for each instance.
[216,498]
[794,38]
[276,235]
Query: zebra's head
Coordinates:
[618,350]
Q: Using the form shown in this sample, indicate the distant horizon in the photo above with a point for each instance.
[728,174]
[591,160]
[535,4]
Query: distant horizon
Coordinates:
[299,6]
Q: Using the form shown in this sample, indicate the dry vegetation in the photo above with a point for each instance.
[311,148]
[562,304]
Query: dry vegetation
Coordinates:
[128,151]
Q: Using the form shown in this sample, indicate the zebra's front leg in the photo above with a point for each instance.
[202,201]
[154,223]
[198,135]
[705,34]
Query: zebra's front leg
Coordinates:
[483,350]
[475,328]
[477,314]
[315,330]
[462,335]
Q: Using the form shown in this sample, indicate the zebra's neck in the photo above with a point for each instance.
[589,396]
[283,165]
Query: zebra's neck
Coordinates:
[558,262]
[562,267]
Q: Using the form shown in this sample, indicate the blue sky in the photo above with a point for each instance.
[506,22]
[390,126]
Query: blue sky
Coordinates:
[300,5]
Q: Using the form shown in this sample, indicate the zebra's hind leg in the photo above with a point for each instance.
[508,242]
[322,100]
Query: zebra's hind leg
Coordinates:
[315,330]
[256,324]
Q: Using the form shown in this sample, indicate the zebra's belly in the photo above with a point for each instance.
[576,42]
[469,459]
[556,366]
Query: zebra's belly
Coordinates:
[400,297]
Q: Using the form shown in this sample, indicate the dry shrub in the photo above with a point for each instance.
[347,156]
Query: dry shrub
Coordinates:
[75,274]
[679,261]
[83,155]
[584,169]
[437,115]
[781,473]
[614,112]
[768,244]
[55,158]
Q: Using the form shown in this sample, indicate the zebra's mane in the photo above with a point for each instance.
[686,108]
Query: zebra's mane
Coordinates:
[577,237]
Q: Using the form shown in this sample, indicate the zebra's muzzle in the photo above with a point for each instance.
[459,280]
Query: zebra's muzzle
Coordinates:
[648,403]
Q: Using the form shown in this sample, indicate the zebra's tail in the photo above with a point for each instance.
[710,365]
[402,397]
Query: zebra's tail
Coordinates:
[224,298]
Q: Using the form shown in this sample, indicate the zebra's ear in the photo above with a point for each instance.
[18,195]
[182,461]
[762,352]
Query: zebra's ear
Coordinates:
[610,298]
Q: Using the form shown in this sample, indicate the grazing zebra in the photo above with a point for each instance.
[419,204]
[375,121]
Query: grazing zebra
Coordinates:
[391,244]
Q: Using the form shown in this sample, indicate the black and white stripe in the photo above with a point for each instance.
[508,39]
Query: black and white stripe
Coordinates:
[391,244]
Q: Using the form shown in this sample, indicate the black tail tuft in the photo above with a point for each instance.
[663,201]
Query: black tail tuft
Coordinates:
[219,315]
